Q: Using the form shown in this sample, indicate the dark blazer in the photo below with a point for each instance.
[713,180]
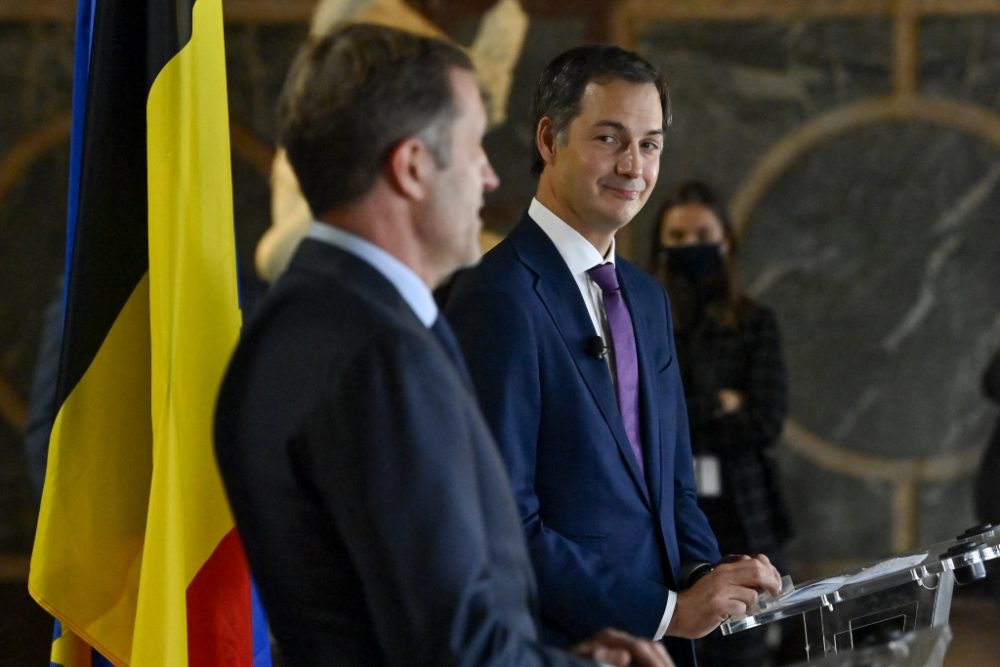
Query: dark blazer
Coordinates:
[369,495]
[606,542]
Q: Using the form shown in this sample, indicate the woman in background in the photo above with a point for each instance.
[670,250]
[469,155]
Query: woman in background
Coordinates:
[734,383]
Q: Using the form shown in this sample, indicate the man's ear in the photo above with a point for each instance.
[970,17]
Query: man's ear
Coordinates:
[409,167]
[545,139]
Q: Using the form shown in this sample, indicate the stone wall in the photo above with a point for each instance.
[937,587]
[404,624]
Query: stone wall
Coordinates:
[870,224]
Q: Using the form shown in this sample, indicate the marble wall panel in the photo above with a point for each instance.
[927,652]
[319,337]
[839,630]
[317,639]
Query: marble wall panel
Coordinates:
[878,249]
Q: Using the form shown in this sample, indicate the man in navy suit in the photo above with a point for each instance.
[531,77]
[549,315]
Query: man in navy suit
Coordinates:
[369,494]
[571,351]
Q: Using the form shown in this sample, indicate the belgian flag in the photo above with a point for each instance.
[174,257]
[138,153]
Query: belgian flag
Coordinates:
[136,554]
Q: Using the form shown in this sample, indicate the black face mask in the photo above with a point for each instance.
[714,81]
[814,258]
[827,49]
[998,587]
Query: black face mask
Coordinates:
[696,263]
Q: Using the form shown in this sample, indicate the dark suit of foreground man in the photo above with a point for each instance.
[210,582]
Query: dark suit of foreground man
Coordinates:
[372,502]
[599,455]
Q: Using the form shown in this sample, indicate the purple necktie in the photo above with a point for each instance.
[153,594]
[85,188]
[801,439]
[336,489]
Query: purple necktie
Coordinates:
[623,344]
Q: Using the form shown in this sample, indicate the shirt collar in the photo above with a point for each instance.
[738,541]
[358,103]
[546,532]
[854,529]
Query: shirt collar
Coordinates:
[578,253]
[407,283]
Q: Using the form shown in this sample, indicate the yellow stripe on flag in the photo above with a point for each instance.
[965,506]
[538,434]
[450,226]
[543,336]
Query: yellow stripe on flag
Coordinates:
[88,546]
[194,322]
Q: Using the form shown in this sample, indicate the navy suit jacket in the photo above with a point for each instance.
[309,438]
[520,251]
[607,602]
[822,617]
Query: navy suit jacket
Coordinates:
[370,497]
[606,541]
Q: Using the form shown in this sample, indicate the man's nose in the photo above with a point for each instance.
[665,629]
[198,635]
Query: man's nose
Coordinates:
[630,162]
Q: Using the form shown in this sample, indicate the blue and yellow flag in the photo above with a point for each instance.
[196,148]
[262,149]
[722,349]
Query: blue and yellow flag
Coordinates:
[136,553]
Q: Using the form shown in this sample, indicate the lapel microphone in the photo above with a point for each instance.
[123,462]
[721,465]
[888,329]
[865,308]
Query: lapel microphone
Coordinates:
[595,347]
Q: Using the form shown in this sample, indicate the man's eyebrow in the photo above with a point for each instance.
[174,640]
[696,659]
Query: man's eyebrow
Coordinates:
[614,124]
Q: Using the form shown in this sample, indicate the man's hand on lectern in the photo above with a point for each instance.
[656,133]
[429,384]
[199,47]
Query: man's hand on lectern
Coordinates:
[728,589]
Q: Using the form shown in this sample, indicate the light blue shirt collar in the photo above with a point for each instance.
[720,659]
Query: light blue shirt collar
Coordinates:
[407,283]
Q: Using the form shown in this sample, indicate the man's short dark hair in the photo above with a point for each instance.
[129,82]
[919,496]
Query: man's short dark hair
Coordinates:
[352,95]
[561,86]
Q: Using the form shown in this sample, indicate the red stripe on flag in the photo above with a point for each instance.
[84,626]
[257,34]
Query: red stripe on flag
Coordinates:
[219,620]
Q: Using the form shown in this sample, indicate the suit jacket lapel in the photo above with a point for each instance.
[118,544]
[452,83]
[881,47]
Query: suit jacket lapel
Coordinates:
[558,292]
